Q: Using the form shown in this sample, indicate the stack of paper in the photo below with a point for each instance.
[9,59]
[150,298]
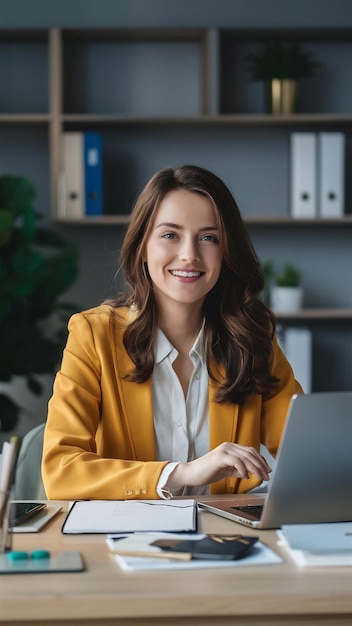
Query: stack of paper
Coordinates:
[324,545]
[123,548]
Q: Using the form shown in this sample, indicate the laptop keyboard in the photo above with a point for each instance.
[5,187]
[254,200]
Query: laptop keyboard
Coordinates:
[252,509]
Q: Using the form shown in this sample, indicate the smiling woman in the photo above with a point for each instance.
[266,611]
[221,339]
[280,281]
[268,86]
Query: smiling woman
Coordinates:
[172,387]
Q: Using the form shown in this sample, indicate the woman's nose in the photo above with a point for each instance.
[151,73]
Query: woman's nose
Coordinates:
[189,250]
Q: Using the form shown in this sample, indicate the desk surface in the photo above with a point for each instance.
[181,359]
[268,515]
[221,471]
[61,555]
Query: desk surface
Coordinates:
[103,594]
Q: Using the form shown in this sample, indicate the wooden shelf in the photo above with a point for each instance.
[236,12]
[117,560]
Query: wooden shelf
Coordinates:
[317,314]
[250,221]
[346,220]
[25,118]
[245,119]
[104,220]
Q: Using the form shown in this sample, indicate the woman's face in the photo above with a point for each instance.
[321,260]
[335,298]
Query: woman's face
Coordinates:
[183,250]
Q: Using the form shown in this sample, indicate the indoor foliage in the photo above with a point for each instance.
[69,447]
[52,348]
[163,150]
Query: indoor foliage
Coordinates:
[276,59]
[37,265]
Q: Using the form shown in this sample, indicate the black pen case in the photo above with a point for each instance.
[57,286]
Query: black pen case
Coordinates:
[208,548]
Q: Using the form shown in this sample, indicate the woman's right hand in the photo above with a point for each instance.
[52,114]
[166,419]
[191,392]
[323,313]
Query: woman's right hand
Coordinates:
[228,459]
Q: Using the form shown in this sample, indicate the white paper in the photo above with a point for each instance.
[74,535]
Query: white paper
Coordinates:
[141,544]
[260,555]
[128,516]
[324,545]
[325,537]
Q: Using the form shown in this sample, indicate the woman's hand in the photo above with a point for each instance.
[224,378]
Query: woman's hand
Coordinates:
[228,459]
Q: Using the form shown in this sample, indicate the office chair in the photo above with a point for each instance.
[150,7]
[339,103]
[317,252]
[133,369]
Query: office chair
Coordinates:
[28,479]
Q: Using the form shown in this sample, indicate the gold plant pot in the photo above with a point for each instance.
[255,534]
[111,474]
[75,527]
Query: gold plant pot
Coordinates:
[281,96]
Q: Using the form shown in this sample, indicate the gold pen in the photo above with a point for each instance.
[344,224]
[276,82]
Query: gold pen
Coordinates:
[171,556]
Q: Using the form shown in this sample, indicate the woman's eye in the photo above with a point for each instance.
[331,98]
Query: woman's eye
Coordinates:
[209,238]
[168,236]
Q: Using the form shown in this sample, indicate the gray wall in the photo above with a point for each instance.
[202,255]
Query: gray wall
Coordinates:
[99,13]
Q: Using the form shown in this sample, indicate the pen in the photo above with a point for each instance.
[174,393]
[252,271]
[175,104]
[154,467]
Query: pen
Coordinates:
[171,556]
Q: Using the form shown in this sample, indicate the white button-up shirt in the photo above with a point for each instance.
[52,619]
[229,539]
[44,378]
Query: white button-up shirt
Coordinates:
[181,424]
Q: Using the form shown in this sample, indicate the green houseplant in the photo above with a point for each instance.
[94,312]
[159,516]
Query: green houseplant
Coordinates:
[289,276]
[37,265]
[286,293]
[280,66]
[276,59]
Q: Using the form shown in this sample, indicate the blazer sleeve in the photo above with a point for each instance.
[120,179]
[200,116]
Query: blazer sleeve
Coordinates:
[88,452]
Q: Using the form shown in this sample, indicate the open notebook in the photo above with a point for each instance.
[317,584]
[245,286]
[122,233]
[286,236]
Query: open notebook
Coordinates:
[312,482]
[131,516]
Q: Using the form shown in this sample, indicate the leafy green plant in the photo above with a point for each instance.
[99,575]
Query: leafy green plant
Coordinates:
[37,265]
[289,276]
[276,59]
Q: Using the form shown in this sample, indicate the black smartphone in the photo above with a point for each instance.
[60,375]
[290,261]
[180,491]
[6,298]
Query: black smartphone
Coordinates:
[21,511]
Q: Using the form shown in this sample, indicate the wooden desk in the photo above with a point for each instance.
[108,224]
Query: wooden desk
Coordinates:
[104,595]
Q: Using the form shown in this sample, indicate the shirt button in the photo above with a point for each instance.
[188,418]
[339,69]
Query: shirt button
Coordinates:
[179,423]
[197,377]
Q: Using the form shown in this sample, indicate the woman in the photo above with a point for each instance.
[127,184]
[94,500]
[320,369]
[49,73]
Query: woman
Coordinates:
[171,388]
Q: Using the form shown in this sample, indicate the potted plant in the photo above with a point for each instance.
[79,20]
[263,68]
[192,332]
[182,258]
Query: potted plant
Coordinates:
[280,66]
[286,295]
[37,265]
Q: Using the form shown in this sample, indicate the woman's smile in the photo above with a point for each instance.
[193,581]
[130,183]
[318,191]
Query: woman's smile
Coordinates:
[188,275]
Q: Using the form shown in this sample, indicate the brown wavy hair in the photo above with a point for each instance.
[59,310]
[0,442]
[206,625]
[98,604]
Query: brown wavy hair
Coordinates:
[238,327]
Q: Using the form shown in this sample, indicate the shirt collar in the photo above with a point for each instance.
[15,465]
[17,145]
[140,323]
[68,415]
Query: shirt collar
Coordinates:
[163,347]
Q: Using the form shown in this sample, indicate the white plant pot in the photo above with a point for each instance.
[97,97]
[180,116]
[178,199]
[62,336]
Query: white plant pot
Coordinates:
[286,299]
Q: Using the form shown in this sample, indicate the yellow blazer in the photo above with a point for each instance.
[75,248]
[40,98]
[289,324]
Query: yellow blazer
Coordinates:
[99,436]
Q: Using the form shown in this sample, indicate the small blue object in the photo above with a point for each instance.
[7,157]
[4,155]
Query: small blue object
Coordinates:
[18,555]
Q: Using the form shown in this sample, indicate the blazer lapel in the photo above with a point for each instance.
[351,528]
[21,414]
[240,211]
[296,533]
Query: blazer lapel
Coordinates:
[139,417]
[136,399]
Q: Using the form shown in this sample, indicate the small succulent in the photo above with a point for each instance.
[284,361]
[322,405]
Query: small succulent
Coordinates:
[288,277]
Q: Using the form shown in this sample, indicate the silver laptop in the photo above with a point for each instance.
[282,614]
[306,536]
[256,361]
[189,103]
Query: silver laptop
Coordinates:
[312,482]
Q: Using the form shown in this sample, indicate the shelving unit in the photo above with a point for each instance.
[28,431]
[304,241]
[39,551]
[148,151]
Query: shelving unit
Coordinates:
[173,95]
